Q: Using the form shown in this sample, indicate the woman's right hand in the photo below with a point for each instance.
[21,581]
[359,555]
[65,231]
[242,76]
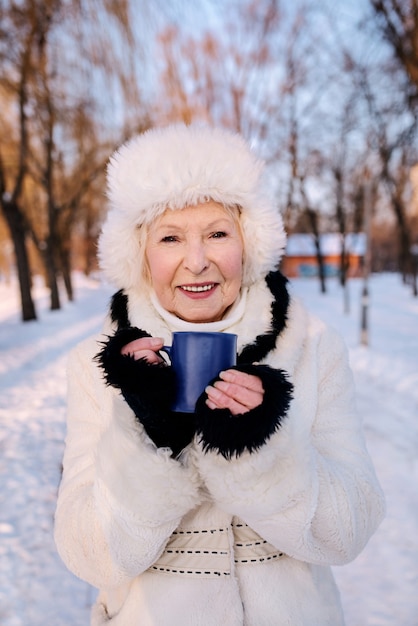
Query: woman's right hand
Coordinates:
[144,348]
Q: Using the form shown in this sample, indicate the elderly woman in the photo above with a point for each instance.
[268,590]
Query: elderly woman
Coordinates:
[232,514]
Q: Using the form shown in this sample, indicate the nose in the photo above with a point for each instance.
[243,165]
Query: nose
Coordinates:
[195,257]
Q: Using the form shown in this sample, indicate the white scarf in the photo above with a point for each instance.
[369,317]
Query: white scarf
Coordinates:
[234,315]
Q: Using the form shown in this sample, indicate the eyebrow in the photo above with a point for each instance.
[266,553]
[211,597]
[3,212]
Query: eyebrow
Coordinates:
[209,226]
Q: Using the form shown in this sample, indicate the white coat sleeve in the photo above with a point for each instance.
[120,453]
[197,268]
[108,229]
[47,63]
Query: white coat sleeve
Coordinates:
[311,489]
[120,497]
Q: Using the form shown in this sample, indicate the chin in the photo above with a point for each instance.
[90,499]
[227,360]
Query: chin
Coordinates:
[200,320]
[199,317]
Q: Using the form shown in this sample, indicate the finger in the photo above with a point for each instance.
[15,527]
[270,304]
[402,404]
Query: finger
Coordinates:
[247,397]
[241,378]
[212,405]
[234,407]
[144,343]
[148,355]
[233,397]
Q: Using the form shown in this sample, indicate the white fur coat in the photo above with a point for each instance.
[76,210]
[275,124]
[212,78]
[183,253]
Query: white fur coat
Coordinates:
[133,522]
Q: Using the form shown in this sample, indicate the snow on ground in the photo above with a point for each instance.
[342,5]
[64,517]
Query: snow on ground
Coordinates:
[380,588]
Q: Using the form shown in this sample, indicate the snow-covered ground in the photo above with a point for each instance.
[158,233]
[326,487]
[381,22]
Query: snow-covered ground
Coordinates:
[380,588]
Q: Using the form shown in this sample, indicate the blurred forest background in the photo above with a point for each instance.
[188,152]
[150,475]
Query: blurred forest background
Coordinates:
[327,92]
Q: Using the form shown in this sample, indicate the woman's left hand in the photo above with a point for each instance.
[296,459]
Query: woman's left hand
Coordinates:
[237,391]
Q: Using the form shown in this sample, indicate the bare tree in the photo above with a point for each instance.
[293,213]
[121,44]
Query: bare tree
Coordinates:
[224,74]
[392,136]
[398,23]
[12,179]
[297,187]
[47,83]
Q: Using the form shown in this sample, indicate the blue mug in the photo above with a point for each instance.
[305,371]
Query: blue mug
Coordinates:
[197,358]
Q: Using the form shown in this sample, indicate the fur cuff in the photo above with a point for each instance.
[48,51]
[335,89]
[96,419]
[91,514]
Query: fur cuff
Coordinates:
[136,377]
[149,390]
[230,435]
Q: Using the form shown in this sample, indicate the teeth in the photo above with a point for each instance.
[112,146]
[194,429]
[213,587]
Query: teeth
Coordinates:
[198,289]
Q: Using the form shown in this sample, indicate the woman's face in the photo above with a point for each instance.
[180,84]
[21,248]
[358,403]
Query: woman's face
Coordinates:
[195,257]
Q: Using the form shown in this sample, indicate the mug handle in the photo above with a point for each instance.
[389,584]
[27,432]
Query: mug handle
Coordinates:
[166,349]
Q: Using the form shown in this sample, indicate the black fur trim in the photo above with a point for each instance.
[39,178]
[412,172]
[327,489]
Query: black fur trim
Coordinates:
[167,429]
[230,435]
[119,310]
[119,370]
[251,353]
[264,344]
[149,390]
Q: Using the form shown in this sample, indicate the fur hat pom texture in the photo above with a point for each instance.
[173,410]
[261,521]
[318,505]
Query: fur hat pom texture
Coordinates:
[177,166]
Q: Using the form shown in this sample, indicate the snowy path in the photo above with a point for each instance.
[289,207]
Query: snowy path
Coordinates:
[35,588]
[379,589]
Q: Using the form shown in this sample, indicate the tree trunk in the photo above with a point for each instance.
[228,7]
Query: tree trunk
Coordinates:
[406,257]
[344,267]
[313,221]
[344,261]
[51,273]
[341,221]
[66,271]
[16,224]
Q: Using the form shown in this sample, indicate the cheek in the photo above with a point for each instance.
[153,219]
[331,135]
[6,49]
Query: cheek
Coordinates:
[233,267]
[158,267]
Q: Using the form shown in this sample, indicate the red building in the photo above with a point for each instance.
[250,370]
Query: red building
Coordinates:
[300,256]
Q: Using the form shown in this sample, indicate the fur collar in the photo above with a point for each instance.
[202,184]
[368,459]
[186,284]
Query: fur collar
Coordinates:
[265,318]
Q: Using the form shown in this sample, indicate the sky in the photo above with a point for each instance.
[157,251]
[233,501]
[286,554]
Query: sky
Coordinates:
[378,589]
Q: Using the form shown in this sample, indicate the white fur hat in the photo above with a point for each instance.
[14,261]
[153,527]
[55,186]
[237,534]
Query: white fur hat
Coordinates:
[180,166]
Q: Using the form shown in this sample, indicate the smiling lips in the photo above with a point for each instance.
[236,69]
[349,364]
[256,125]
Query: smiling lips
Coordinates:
[198,289]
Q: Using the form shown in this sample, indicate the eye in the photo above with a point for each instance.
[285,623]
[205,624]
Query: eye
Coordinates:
[169,239]
[219,234]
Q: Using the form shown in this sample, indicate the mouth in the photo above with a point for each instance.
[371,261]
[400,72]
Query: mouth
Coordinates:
[198,288]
